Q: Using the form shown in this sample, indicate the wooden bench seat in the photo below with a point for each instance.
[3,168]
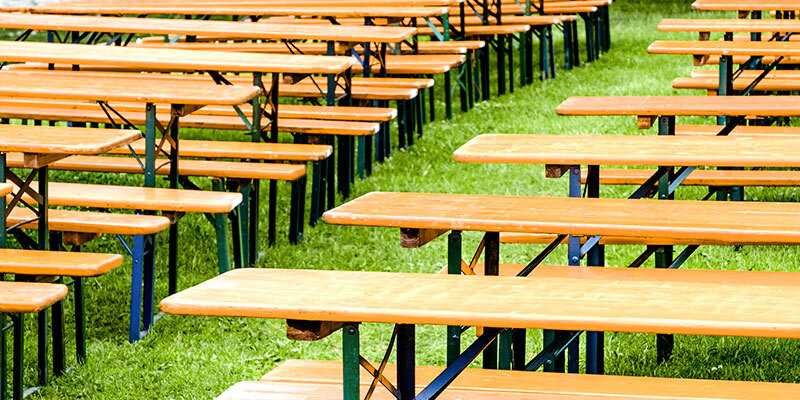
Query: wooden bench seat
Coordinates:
[91,222]
[723,178]
[96,115]
[702,50]
[482,30]
[212,149]
[543,238]
[322,380]
[738,130]
[749,74]
[213,169]
[5,188]
[139,198]
[28,297]
[57,263]
[711,85]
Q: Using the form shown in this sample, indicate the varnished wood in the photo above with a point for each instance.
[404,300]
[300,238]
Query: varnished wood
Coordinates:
[483,30]
[478,383]
[27,297]
[124,88]
[732,303]
[739,5]
[163,26]
[78,238]
[234,9]
[739,130]
[310,330]
[97,115]
[415,238]
[712,84]
[169,59]
[139,198]
[91,222]
[725,48]
[767,106]
[545,238]
[652,150]
[5,188]
[36,161]
[729,25]
[57,263]
[214,169]
[241,150]
[62,140]
[768,178]
[734,222]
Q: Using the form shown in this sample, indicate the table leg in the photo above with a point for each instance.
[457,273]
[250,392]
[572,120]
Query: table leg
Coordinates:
[406,361]
[665,343]
[453,268]
[594,258]
[351,362]
[491,267]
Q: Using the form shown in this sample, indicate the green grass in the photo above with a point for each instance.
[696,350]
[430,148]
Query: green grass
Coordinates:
[188,358]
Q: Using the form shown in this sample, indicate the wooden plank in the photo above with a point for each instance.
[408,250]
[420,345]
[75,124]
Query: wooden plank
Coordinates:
[543,238]
[91,222]
[649,150]
[723,48]
[415,238]
[163,26]
[57,263]
[725,178]
[241,150]
[538,385]
[739,5]
[139,198]
[211,169]
[62,140]
[732,222]
[27,297]
[5,188]
[729,25]
[310,330]
[131,88]
[712,84]
[36,161]
[732,303]
[767,106]
[170,59]
[739,130]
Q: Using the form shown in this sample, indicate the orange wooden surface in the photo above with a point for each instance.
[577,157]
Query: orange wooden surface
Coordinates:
[5,188]
[723,48]
[736,5]
[706,177]
[62,140]
[130,88]
[163,26]
[726,303]
[532,385]
[652,150]
[309,3]
[546,238]
[241,150]
[308,126]
[139,198]
[712,84]
[734,222]
[57,263]
[232,9]
[729,25]
[786,106]
[739,130]
[28,297]
[92,222]
[483,30]
[212,169]
[749,74]
[170,59]
[316,48]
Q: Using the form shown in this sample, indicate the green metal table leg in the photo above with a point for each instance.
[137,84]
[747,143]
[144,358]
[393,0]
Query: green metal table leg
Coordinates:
[42,346]
[57,311]
[453,268]
[221,229]
[501,64]
[80,319]
[491,257]
[316,193]
[361,156]
[351,362]
[448,96]
[19,355]
[664,256]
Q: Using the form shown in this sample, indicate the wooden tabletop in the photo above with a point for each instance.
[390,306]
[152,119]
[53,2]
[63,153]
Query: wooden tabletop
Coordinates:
[243,30]
[725,48]
[568,298]
[745,5]
[146,59]
[29,297]
[62,140]
[767,106]
[124,88]
[734,222]
[232,9]
[649,150]
[729,25]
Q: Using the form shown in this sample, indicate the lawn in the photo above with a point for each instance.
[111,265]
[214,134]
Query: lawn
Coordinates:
[192,357]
